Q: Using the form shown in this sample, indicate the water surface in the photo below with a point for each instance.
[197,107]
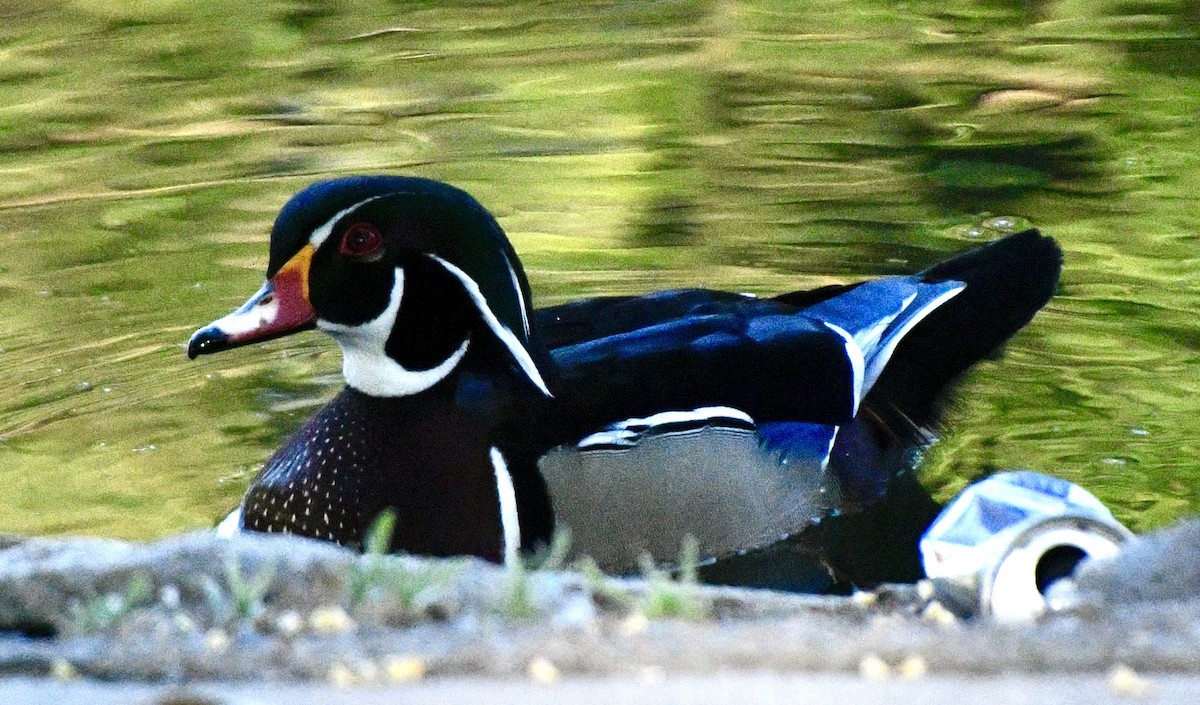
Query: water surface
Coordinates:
[625,146]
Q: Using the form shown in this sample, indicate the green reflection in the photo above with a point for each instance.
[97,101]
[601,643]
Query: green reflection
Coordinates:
[759,146]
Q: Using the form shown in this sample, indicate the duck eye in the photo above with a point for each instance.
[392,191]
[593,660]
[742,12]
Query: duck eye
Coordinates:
[360,240]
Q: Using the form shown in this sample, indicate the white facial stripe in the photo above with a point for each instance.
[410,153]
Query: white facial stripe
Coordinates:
[365,363]
[857,363]
[508,508]
[512,274]
[321,234]
[506,336]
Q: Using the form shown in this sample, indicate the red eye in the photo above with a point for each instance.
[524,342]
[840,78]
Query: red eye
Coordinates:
[361,239]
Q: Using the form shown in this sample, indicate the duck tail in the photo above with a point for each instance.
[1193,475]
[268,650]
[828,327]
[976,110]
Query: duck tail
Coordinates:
[965,308]
[1006,283]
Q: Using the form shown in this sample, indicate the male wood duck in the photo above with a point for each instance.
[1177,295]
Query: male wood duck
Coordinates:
[634,420]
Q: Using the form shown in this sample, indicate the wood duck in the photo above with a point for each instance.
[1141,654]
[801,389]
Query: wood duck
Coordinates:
[634,420]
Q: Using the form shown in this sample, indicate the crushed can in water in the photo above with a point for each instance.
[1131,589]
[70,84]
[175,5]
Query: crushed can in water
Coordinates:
[1000,546]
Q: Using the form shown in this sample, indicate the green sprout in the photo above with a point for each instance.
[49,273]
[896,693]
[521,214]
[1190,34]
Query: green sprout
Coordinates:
[244,596]
[104,611]
[369,568]
[416,587]
[674,597]
[601,588]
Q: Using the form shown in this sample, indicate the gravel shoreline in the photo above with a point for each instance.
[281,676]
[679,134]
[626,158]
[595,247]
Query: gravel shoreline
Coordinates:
[111,618]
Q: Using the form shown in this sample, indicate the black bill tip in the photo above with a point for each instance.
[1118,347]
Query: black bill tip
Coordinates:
[208,340]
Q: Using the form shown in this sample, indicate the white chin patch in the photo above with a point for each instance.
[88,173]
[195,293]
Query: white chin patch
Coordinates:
[365,362]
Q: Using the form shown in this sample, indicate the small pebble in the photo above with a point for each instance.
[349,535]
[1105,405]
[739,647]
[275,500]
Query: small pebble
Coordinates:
[912,668]
[63,670]
[330,620]
[183,623]
[542,671]
[1125,682]
[873,668]
[925,589]
[341,676]
[864,598]
[936,612]
[401,669]
[634,624]
[579,612]
[289,622]
[169,597]
[216,641]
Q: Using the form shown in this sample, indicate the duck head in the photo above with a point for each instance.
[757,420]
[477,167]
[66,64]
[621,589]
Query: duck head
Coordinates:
[408,275]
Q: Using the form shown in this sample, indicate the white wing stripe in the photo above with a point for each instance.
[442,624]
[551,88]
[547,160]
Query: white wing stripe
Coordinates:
[880,358]
[855,355]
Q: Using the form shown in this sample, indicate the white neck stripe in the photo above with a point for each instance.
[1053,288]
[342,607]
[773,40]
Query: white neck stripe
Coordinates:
[365,362]
[509,519]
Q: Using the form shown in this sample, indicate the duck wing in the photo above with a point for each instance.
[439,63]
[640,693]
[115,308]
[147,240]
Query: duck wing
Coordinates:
[773,361]
[718,424]
[743,421]
[1006,283]
[603,316]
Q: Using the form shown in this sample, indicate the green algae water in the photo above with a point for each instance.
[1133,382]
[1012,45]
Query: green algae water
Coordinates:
[760,146]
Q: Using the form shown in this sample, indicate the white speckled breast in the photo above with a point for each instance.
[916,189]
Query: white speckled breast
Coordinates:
[313,485]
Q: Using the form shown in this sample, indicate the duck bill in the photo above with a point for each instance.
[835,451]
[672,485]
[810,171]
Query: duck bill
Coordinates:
[279,308]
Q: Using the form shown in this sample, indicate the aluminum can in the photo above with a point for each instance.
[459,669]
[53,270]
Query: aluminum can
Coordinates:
[1005,545]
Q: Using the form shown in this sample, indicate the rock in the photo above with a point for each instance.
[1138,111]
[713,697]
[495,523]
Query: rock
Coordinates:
[1163,566]
[56,584]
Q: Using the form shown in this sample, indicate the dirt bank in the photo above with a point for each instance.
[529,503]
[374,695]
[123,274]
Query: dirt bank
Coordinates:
[313,619]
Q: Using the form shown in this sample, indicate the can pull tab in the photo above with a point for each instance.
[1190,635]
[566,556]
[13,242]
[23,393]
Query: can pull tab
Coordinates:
[1004,544]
